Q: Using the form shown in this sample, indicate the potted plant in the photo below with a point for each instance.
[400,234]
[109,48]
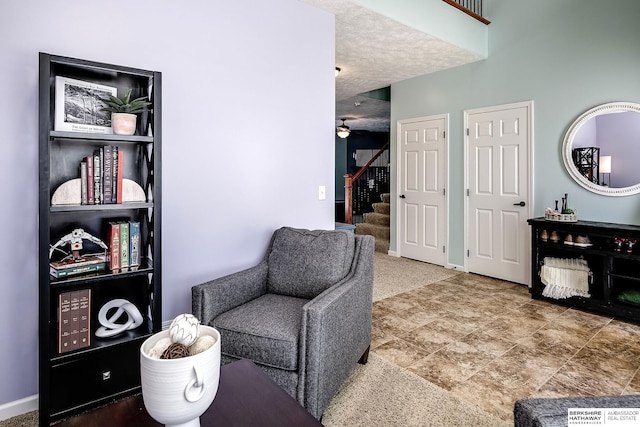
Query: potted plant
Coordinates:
[123,112]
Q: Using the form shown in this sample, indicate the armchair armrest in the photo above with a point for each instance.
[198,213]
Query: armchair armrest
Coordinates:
[336,326]
[210,299]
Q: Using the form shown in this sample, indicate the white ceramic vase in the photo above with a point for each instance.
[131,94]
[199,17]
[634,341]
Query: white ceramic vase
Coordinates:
[123,123]
[177,391]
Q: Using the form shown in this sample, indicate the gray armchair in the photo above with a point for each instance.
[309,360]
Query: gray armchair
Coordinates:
[303,314]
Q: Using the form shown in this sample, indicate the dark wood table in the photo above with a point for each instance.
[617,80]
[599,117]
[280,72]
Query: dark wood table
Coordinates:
[246,397]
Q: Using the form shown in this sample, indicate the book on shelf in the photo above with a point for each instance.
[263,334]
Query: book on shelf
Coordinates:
[74,320]
[69,268]
[114,174]
[102,176]
[107,178]
[124,246]
[83,183]
[134,244]
[113,241]
[84,329]
[97,188]
[64,322]
[119,176]
[89,161]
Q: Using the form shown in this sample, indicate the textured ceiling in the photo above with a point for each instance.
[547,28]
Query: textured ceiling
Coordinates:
[374,51]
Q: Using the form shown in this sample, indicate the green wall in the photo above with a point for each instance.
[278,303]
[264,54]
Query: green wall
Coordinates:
[565,55]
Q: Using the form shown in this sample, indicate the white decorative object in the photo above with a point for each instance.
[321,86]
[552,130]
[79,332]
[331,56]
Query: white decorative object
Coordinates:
[201,344]
[69,193]
[176,392]
[184,329]
[109,326]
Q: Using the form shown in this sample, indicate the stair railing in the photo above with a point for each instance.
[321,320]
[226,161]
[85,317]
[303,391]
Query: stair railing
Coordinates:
[349,179]
[472,8]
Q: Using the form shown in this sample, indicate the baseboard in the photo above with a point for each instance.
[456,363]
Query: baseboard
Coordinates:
[393,253]
[18,407]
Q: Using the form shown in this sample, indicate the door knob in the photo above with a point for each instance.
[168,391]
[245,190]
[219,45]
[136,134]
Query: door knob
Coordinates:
[519,204]
[402,196]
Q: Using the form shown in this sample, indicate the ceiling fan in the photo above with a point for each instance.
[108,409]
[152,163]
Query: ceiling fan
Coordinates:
[343,130]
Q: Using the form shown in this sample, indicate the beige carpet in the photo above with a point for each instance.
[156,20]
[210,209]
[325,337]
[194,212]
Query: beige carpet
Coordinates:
[383,394]
[393,275]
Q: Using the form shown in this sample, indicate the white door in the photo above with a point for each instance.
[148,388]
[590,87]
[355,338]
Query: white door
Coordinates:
[498,174]
[422,215]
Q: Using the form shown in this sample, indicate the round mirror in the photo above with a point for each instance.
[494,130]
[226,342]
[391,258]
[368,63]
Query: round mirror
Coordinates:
[602,147]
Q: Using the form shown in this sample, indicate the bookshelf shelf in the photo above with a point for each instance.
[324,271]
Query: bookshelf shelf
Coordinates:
[77,136]
[79,370]
[98,208]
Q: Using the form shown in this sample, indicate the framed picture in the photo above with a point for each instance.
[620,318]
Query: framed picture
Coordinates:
[78,106]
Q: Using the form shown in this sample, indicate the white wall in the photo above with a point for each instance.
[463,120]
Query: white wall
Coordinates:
[234,75]
[567,56]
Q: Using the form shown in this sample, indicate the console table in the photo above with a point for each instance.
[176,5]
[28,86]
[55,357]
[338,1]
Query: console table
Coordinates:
[614,265]
[246,397]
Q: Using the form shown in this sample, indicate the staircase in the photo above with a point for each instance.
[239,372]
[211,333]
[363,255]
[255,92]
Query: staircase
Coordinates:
[378,223]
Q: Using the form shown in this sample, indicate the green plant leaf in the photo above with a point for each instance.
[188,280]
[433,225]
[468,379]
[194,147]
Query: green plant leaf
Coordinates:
[125,104]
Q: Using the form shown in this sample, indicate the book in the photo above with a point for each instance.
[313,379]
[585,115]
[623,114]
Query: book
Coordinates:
[113,242]
[107,164]
[84,318]
[74,322]
[134,244]
[64,322]
[76,270]
[89,161]
[96,179]
[119,176]
[101,160]
[83,183]
[124,246]
[114,174]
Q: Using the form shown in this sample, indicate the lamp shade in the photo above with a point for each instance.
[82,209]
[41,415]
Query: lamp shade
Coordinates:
[343,130]
[605,164]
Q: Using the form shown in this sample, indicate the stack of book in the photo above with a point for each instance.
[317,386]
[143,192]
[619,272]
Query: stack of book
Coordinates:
[101,176]
[74,320]
[124,246]
[74,267]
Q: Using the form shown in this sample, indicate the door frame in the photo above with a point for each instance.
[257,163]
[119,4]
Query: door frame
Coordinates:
[530,187]
[398,210]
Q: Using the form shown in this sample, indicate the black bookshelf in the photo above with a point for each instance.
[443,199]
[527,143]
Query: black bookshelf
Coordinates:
[72,381]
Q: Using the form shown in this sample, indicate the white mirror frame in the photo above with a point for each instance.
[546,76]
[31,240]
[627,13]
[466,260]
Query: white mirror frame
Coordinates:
[567,158]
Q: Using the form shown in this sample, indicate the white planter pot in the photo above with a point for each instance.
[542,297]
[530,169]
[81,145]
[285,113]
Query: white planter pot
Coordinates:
[123,123]
[177,391]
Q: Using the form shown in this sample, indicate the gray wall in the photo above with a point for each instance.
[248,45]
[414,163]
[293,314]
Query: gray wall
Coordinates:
[234,74]
[567,56]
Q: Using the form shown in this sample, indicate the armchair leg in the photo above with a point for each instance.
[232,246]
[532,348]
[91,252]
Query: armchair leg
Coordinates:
[365,356]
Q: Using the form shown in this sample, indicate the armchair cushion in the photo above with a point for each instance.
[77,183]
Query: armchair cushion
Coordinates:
[265,330]
[316,259]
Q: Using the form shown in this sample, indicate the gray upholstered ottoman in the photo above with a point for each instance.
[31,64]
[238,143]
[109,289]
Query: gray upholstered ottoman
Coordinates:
[538,412]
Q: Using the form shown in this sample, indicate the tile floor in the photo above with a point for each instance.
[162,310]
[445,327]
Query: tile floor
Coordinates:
[488,342]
